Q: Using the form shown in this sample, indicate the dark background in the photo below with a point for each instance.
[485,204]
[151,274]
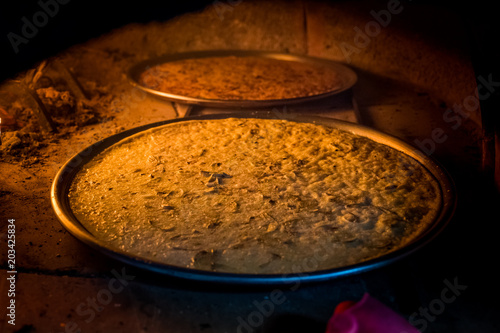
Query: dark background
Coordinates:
[75,22]
[80,20]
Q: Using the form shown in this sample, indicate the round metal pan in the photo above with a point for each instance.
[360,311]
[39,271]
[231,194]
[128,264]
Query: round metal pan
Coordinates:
[65,176]
[347,77]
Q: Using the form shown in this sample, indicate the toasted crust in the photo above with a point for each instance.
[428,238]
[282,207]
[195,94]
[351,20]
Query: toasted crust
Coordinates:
[241,78]
[254,196]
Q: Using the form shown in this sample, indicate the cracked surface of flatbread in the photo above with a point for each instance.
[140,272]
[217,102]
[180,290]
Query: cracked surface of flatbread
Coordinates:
[254,196]
[241,78]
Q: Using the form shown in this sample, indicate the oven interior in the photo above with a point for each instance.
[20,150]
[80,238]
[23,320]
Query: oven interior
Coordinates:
[427,73]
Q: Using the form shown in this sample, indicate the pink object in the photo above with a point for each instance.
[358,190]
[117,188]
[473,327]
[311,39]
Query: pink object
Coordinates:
[367,316]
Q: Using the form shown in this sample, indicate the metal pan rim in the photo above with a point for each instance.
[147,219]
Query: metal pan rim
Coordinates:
[348,77]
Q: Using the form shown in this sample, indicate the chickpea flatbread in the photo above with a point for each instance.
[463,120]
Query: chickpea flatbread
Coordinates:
[256,196]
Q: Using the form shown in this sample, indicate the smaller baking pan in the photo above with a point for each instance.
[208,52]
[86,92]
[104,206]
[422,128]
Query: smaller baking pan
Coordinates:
[346,75]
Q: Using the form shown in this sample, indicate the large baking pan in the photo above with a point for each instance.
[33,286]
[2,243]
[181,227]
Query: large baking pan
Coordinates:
[65,176]
[346,75]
